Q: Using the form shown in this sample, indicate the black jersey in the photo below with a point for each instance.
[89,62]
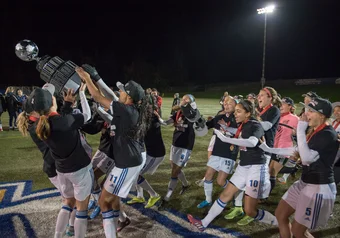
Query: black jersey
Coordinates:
[221,148]
[184,134]
[65,143]
[126,149]
[153,139]
[255,155]
[271,115]
[325,142]
[49,163]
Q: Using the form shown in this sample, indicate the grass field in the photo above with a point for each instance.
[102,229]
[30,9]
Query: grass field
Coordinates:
[21,160]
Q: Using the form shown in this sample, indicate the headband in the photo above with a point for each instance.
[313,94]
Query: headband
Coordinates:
[268,92]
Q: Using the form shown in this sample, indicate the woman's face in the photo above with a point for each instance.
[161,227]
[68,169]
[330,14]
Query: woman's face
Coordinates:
[122,96]
[336,113]
[240,114]
[285,108]
[314,118]
[230,106]
[263,99]
[19,92]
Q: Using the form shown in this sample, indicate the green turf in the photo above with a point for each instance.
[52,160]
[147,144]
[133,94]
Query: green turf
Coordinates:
[20,160]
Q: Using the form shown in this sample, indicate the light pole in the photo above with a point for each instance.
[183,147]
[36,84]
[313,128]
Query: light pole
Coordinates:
[264,11]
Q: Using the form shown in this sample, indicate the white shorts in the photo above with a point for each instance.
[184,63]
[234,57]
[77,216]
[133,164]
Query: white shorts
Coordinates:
[151,164]
[77,184]
[101,161]
[179,156]
[212,143]
[221,164]
[313,203]
[254,179]
[54,180]
[120,181]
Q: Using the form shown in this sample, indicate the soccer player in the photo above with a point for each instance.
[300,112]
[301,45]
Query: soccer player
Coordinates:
[283,138]
[73,162]
[312,197]
[131,120]
[155,152]
[252,173]
[182,145]
[223,156]
[269,104]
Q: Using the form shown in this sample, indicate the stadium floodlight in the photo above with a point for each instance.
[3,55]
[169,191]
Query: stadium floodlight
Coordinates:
[265,10]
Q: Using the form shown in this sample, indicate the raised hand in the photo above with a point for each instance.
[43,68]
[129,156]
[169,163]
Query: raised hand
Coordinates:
[92,71]
[84,76]
[69,96]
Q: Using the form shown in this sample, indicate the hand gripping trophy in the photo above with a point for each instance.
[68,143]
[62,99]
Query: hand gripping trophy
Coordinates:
[52,70]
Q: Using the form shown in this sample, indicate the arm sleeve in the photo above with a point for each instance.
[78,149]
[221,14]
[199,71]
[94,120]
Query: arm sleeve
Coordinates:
[106,116]
[250,142]
[271,119]
[307,155]
[108,93]
[266,125]
[278,151]
[167,122]
[85,106]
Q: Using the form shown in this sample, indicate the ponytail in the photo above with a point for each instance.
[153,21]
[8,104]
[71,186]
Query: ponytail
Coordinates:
[146,112]
[273,94]
[43,128]
[22,123]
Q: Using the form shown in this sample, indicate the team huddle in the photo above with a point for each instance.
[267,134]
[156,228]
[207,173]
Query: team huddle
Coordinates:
[253,140]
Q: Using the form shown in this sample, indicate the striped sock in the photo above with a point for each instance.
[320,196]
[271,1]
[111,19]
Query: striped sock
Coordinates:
[266,217]
[62,220]
[214,211]
[80,224]
[72,217]
[109,224]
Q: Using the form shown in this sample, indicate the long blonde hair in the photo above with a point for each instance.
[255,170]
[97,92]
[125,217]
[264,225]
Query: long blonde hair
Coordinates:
[22,122]
[43,129]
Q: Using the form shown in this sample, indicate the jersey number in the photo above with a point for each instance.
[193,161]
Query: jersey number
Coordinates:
[254,183]
[308,211]
[227,162]
[114,178]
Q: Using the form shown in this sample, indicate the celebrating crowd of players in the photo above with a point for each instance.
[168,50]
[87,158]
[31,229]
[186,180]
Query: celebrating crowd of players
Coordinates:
[253,140]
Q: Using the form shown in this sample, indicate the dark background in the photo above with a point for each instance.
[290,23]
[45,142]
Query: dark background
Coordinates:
[167,43]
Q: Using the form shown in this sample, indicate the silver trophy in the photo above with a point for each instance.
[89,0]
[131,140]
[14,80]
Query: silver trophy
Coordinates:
[52,70]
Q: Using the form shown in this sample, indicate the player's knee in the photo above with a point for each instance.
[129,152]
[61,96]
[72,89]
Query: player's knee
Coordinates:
[250,211]
[221,182]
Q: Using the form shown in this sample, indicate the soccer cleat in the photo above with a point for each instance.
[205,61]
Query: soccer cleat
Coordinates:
[136,200]
[196,222]
[95,212]
[245,221]
[70,230]
[204,204]
[162,205]
[200,183]
[282,180]
[184,188]
[152,201]
[235,212]
[122,225]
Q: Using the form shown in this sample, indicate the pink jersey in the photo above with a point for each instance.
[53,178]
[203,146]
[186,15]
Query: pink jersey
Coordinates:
[283,137]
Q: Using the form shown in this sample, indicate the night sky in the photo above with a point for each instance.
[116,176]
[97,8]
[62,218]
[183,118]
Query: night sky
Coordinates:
[206,41]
